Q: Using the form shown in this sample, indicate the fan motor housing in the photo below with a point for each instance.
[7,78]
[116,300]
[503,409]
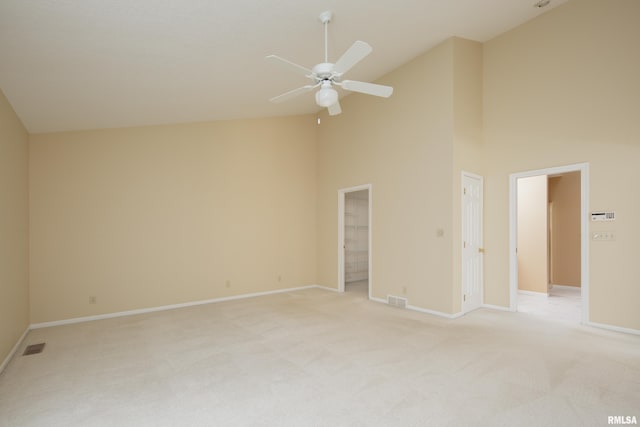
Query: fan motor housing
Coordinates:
[323,71]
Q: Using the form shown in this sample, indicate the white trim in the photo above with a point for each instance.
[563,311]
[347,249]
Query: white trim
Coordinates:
[341,211]
[435,312]
[614,328]
[481,179]
[326,288]
[422,310]
[583,168]
[163,308]
[533,293]
[13,351]
[258,294]
[495,307]
[553,285]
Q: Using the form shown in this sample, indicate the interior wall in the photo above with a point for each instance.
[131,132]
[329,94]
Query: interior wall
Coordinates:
[14,229]
[558,90]
[152,216]
[403,147]
[564,195]
[532,234]
[120,214]
[467,141]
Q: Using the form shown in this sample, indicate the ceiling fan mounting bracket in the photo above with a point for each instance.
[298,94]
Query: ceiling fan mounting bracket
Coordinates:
[326,16]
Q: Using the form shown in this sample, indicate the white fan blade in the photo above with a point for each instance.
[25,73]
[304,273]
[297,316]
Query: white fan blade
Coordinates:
[291,65]
[334,109]
[292,93]
[368,88]
[351,57]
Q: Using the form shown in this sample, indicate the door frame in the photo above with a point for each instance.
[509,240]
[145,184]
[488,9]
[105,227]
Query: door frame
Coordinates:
[341,222]
[462,216]
[583,168]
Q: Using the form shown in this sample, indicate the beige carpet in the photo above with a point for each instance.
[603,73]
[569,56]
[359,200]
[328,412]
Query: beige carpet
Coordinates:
[319,358]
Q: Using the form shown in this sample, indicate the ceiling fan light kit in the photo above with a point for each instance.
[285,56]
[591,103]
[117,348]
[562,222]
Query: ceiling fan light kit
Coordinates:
[326,74]
[326,96]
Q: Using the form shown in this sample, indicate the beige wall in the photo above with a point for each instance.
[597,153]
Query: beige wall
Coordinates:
[558,90]
[161,215]
[14,253]
[467,141]
[405,146]
[564,195]
[532,234]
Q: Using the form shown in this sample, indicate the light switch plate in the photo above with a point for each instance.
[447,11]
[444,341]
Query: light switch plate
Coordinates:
[603,235]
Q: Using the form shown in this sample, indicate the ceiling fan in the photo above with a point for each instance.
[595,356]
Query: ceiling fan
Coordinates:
[326,74]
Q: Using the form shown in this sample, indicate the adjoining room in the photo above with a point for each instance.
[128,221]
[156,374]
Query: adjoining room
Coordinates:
[549,246]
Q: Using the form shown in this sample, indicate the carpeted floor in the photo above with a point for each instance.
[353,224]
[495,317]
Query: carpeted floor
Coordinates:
[320,358]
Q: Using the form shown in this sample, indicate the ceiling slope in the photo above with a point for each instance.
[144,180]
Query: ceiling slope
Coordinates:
[89,64]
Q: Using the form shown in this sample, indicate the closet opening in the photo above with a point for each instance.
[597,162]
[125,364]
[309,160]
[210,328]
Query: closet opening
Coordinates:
[354,240]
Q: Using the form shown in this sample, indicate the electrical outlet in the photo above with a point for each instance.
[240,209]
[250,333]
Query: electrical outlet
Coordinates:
[227,283]
[404,290]
[92,300]
[279,278]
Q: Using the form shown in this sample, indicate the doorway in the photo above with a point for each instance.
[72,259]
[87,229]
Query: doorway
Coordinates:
[548,248]
[354,240]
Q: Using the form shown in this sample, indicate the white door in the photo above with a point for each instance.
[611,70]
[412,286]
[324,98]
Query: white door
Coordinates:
[472,249]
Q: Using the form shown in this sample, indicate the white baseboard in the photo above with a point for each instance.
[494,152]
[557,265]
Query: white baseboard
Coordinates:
[326,288]
[435,312]
[259,294]
[163,308]
[422,310]
[614,328]
[13,351]
[532,293]
[495,307]
[554,285]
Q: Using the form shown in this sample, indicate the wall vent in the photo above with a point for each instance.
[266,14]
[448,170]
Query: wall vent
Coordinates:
[397,301]
[33,349]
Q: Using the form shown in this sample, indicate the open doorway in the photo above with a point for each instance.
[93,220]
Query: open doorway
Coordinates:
[549,243]
[354,239]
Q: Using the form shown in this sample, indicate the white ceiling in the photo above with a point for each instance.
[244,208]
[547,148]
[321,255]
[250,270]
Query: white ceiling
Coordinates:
[89,64]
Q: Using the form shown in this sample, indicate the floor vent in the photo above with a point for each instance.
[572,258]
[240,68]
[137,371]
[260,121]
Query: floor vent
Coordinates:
[33,349]
[397,301]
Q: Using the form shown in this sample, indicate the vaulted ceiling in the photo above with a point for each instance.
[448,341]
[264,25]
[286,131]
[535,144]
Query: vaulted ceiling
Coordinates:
[88,64]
